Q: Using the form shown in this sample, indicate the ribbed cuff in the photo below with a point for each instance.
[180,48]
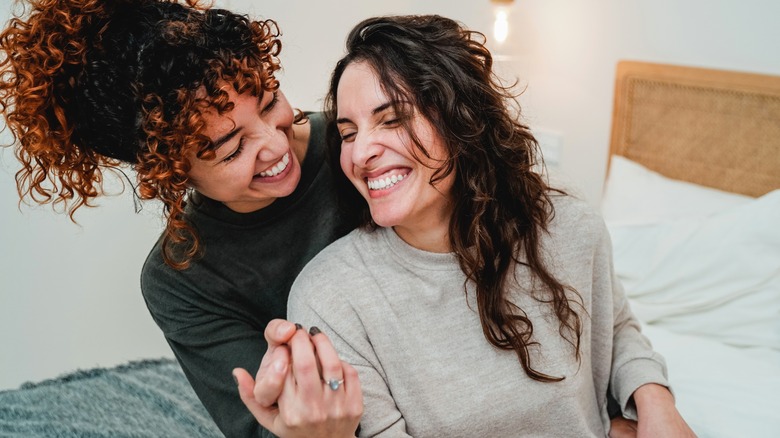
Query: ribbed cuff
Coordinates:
[631,376]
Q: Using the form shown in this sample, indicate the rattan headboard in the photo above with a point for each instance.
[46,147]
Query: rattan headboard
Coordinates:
[716,128]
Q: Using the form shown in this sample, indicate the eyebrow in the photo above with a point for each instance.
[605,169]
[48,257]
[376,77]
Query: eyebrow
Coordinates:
[225,138]
[375,111]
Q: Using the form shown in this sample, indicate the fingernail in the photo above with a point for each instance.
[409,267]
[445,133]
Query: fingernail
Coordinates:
[314,330]
[298,326]
[280,367]
[235,379]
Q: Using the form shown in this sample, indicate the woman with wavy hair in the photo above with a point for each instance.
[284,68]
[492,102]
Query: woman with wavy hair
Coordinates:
[187,96]
[474,300]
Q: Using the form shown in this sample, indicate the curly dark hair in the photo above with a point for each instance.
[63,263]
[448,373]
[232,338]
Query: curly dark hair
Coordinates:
[502,205]
[86,85]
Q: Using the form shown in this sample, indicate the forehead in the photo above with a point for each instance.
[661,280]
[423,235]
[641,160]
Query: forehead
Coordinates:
[219,123]
[359,85]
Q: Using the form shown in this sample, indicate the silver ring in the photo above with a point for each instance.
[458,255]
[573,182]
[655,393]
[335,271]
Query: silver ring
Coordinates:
[334,384]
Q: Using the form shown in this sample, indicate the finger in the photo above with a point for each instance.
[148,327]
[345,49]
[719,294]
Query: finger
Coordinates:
[291,409]
[305,364]
[264,415]
[353,391]
[328,358]
[271,379]
[279,331]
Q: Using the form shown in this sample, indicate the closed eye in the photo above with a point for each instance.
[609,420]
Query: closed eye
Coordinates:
[348,136]
[235,153]
[274,99]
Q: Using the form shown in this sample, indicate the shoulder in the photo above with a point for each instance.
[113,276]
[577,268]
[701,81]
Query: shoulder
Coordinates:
[575,220]
[154,271]
[158,283]
[568,206]
[345,255]
[174,297]
[342,265]
[315,126]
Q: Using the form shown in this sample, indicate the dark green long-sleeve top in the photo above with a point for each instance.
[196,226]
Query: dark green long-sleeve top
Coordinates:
[213,314]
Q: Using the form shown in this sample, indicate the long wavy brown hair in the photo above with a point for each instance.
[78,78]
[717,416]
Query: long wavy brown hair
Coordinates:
[86,85]
[502,204]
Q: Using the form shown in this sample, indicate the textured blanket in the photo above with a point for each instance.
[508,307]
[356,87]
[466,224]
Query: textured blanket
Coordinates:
[149,398]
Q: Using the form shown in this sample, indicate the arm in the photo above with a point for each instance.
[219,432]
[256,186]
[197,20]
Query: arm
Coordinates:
[208,346]
[638,377]
[657,414]
[208,367]
[318,300]
[634,362]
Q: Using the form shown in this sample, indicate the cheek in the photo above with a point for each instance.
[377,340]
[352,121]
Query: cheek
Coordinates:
[346,161]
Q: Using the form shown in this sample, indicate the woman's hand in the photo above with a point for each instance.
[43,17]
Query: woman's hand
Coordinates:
[272,372]
[657,415]
[321,395]
[622,428]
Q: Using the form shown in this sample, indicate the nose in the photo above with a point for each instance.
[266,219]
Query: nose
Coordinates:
[366,149]
[277,142]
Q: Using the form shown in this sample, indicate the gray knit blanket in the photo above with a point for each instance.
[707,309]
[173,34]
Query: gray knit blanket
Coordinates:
[149,398]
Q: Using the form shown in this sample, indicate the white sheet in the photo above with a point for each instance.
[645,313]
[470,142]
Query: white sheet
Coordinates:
[721,391]
[716,277]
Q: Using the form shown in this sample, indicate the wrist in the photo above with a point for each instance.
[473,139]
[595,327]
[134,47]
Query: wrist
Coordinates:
[652,397]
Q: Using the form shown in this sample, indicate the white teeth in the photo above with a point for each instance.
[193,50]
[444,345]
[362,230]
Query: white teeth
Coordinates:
[278,167]
[385,183]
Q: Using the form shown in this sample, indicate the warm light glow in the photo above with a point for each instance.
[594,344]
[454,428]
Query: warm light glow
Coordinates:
[501,25]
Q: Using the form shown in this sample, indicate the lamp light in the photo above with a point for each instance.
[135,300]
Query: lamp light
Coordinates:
[501,19]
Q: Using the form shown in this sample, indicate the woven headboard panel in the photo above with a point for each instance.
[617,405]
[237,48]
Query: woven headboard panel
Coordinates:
[711,127]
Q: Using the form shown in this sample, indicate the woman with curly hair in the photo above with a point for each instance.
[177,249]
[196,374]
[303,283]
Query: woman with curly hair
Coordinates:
[474,300]
[187,96]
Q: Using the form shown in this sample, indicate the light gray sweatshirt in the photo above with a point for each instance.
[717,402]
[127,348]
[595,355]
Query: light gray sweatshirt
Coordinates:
[402,317]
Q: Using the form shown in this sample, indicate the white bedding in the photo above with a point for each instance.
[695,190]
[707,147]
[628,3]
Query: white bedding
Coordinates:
[701,269]
[721,391]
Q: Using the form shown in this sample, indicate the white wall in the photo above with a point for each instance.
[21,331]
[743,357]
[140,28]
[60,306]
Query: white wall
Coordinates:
[69,295]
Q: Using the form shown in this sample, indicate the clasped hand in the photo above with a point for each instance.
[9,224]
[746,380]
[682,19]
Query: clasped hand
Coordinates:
[302,388]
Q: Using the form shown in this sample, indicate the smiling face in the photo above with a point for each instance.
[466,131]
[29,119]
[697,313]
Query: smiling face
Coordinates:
[257,159]
[380,159]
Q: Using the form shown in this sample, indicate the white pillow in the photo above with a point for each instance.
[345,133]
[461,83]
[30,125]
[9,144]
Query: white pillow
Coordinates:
[634,194]
[716,276]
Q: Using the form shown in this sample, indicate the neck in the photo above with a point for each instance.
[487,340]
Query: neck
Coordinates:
[431,238]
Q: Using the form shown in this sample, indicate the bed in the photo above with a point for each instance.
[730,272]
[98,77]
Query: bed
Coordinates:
[692,204]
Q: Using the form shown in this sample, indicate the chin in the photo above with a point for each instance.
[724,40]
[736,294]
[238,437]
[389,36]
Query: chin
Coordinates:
[292,181]
[384,219]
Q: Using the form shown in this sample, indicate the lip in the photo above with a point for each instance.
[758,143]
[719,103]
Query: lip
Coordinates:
[280,176]
[379,193]
[383,170]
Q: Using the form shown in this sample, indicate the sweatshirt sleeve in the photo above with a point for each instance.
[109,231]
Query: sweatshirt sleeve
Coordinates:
[634,362]
[208,346]
[318,298]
